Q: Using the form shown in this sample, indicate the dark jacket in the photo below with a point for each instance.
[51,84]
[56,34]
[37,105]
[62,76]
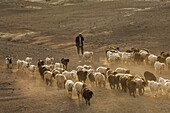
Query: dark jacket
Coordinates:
[78,42]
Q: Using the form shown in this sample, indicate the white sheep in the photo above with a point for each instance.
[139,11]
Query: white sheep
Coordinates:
[90,71]
[60,80]
[69,85]
[122,70]
[49,60]
[83,68]
[155,87]
[113,56]
[32,68]
[126,57]
[87,56]
[87,66]
[61,70]
[49,67]
[58,65]
[79,68]
[55,71]
[28,59]
[102,69]
[152,59]
[163,81]
[72,75]
[100,79]
[168,62]
[144,54]
[25,64]
[140,84]
[78,86]
[67,74]
[19,63]
[48,77]
[110,51]
[167,88]
[159,67]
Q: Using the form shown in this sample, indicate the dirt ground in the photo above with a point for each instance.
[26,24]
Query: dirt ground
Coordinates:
[48,28]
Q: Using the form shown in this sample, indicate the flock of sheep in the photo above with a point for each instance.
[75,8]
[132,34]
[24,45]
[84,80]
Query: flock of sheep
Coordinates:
[120,78]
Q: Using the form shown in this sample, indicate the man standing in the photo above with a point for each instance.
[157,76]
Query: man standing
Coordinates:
[79,44]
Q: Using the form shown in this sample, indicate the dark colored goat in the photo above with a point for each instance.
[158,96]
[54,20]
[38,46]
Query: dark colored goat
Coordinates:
[123,82]
[87,95]
[82,76]
[114,80]
[138,59]
[91,78]
[41,69]
[65,62]
[132,87]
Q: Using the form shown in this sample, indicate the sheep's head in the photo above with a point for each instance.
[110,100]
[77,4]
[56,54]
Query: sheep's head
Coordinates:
[127,71]
[64,60]
[114,73]
[90,53]
[40,63]
[108,69]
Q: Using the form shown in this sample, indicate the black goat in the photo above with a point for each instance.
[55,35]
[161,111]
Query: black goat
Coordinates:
[41,69]
[82,76]
[87,95]
[65,62]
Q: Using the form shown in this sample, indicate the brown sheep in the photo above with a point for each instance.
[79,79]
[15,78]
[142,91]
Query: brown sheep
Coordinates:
[91,78]
[82,76]
[114,80]
[123,82]
[132,87]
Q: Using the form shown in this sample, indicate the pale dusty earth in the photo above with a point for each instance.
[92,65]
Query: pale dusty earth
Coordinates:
[39,28]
